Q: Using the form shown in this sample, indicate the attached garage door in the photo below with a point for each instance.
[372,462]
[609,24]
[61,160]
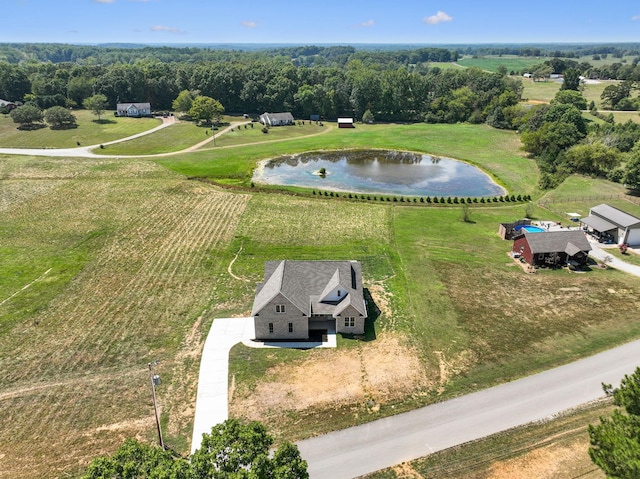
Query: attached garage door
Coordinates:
[634,236]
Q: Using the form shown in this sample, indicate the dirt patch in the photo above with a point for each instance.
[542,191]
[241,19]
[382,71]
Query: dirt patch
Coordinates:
[379,371]
[406,471]
[452,366]
[547,463]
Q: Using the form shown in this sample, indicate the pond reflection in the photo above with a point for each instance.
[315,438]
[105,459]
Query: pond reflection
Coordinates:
[378,171]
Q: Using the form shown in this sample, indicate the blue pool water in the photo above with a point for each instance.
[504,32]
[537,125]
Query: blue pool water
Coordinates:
[529,228]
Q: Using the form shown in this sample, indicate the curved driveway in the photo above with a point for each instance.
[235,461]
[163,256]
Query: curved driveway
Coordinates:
[384,443]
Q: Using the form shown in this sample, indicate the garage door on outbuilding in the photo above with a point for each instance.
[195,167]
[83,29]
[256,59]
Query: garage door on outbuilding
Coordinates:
[608,222]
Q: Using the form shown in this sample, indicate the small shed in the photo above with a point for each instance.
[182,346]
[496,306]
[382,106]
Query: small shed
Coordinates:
[508,231]
[345,123]
[553,248]
[613,225]
[9,105]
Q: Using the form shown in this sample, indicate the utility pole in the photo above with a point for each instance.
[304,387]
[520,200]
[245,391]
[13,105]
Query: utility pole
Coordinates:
[155,380]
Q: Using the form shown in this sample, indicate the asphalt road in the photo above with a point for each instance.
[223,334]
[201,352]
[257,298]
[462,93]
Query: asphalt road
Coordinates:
[360,450]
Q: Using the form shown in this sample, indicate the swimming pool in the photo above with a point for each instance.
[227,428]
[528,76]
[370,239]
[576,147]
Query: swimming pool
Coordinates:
[530,228]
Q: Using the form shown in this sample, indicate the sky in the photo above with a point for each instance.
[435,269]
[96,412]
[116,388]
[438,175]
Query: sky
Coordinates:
[310,22]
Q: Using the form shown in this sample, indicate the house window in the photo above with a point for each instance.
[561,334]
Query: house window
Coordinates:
[349,322]
[270,328]
[279,308]
[339,293]
[541,256]
[291,327]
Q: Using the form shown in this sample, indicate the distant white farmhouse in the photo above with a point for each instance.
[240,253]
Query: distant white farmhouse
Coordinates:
[134,109]
[277,119]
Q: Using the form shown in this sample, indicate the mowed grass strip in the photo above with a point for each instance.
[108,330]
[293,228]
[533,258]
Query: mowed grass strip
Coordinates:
[134,259]
[90,131]
[495,151]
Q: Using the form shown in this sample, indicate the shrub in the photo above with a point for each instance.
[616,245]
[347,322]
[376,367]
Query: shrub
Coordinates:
[265,130]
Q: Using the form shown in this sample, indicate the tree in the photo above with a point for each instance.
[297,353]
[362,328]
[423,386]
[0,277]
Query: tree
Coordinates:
[134,460]
[96,103]
[614,94]
[27,116]
[237,450]
[183,101]
[571,80]
[206,109]
[59,117]
[632,171]
[615,442]
[367,117]
[570,97]
[233,450]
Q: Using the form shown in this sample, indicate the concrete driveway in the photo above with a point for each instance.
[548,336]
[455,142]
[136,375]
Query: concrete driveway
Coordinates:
[212,402]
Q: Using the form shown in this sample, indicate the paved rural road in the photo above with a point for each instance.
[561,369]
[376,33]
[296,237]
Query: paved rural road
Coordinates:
[360,450]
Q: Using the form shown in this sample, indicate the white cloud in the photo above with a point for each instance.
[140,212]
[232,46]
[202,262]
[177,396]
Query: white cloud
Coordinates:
[163,28]
[635,18]
[369,23]
[105,1]
[249,24]
[437,18]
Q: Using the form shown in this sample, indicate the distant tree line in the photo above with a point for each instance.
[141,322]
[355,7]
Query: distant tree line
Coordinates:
[390,91]
[18,53]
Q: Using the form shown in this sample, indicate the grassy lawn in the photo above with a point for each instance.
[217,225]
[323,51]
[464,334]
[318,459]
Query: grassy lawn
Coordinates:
[173,138]
[544,91]
[552,449]
[577,194]
[496,151]
[89,131]
[246,135]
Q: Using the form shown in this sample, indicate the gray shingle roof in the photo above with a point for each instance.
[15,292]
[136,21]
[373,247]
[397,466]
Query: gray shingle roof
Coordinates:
[614,215]
[557,242]
[306,284]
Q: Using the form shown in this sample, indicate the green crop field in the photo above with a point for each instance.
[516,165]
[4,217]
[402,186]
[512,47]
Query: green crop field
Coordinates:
[510,62]
[108,264]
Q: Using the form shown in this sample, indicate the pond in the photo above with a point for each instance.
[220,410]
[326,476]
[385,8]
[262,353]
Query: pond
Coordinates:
[378,171]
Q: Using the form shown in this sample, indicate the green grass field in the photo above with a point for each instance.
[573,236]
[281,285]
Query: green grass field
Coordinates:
[108,264]
[495,151]
[491,63]
[89,131]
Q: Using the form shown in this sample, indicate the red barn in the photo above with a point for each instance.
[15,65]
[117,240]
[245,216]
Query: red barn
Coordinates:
[552,248]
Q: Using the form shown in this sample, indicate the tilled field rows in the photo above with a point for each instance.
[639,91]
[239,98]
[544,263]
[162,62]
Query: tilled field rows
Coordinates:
[77,382]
